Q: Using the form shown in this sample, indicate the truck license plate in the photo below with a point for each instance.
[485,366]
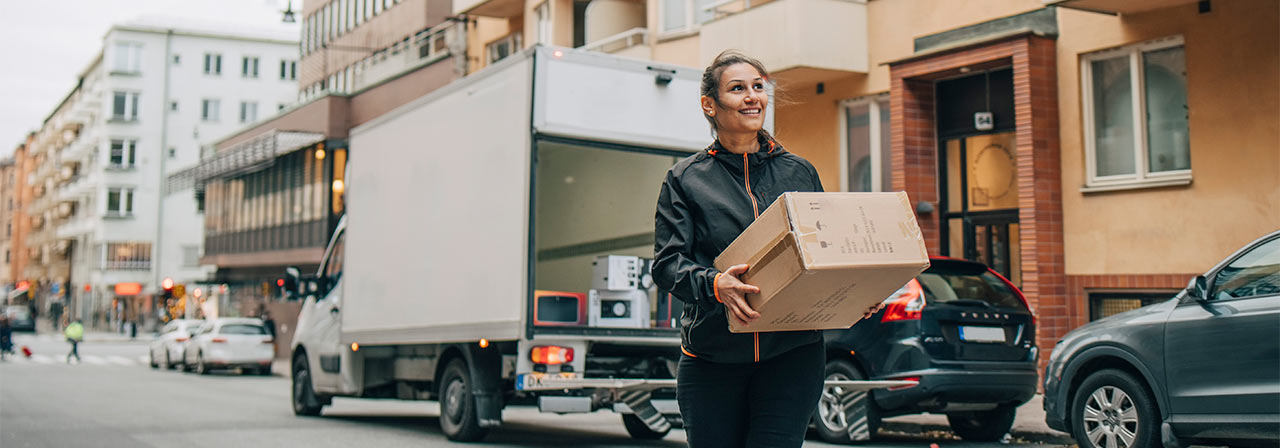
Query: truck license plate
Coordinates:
[531,381]
[982,334]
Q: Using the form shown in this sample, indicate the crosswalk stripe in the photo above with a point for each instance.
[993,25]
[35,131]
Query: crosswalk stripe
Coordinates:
[120,360]
[94,360]
[42,359]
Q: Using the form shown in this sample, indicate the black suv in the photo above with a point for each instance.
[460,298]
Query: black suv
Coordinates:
[1202,366]
[960,329]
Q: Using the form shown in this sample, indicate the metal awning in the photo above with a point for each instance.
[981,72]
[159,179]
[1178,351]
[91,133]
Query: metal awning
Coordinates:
[255,154]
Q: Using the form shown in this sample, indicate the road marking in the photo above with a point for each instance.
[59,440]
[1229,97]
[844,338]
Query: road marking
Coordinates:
[94,360]
[42,359]
[120,360]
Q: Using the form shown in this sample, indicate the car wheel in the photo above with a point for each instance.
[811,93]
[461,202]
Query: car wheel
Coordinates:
[168,363]
[304,397]
[639,430]
[983,426]
[458,417]
[845,416]
[1111,409]
[154,365]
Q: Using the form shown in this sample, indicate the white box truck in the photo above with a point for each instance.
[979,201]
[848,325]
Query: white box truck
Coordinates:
[477,219]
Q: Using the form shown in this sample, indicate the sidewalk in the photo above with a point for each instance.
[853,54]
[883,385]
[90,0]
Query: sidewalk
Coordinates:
[1028,425]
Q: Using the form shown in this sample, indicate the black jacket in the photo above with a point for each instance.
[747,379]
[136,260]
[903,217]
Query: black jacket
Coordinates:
[706,200]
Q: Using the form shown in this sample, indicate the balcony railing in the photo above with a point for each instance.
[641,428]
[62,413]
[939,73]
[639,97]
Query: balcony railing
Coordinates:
[809,40]
[622,41]
[127,265]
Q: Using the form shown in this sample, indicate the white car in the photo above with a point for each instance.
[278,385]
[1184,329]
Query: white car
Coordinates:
[228,343]
[166,348]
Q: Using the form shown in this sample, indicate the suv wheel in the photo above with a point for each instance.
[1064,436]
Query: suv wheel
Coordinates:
[983,426]
[1111,409]
[845,416]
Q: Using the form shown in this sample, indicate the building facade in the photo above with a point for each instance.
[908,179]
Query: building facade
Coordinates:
[105,232]
[1072,145]
[273,192]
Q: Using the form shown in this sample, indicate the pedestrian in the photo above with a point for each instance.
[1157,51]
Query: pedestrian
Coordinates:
[734,389]
[6,336]
[268,323]
[74,334]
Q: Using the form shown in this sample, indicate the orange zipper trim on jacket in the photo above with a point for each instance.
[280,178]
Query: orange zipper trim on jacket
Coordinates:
[755,208]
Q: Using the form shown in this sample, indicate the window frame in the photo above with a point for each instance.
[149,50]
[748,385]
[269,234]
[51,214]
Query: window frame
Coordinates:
[514,39]
[212,64]
[1213,280]
[125,201]
[130,106]
[128,153]
[246,106]
[1142,176]
[204,110]
[691,24]
[875,134]
[249,66]
[133,58]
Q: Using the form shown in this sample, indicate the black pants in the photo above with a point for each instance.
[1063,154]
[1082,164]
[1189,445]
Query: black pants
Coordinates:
[74,352]
[765,404]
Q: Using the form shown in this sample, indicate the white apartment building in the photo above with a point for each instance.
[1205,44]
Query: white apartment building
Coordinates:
[157,94]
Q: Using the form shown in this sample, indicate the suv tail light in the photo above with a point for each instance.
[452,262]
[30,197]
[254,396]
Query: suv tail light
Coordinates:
[905,304]
[181,339]
[218,340]
[551,354]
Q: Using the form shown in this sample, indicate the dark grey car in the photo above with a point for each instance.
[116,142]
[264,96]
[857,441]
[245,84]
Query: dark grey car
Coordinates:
[1203,366]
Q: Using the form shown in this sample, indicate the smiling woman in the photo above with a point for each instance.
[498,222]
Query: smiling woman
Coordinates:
[767,383]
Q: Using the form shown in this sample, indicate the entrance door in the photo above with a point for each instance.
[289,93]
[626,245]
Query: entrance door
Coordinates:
[980,205]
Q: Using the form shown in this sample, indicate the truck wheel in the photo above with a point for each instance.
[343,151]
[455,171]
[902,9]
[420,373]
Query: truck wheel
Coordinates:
[458,417]
[304,397]
[983,426]
[837,406]
[1112,409]
[639,430]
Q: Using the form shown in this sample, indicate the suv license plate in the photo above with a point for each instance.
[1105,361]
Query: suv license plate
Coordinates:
[982,334]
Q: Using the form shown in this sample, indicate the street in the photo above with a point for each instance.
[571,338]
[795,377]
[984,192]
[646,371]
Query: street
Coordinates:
[113,399]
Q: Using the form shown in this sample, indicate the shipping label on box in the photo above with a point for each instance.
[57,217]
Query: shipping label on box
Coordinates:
[822,259]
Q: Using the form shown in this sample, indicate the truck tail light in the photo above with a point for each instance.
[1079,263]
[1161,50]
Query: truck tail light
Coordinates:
[905,304]
[218,340]
[551,354]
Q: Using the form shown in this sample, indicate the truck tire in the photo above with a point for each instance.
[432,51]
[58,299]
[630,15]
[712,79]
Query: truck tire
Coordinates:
[639,430]
[458,418]
[304,400]
[831,417]
[1124,414]
[983,426]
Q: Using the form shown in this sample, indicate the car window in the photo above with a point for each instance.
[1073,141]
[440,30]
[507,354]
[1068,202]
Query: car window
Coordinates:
[242,329]
[944,283]
[333,270]
[1256,273]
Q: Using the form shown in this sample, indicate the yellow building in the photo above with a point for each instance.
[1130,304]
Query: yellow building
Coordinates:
[1097,152]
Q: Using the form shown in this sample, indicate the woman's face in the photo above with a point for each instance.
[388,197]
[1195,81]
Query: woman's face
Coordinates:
[743,100]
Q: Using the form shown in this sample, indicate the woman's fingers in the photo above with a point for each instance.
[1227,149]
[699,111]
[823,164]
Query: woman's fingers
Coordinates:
[737,270]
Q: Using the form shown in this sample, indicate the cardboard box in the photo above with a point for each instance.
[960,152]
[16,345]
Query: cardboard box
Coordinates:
[822,259]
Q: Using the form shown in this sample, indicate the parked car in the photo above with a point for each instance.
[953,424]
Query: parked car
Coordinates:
[167,347]
[20,319]
[960,329]
[228,343]
[1201,367]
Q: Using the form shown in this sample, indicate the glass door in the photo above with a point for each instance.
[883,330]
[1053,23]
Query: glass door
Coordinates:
[980,204]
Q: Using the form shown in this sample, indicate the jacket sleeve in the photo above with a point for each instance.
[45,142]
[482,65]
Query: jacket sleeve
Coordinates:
[673,266]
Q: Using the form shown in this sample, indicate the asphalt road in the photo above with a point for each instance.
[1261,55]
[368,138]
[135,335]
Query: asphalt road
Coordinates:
[113,399]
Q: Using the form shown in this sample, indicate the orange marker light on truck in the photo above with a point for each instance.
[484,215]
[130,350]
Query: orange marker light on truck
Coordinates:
[484,343]
[355,346]
[551,354]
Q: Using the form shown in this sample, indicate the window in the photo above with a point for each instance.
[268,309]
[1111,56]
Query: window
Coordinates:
[126,256]
[119,202]
[209,110]
[249,67]
[543,12]
[867,123]
[173,106]
[124,153]
[124,106]
[190,256]
[503,47]
[248,111]
[333,268]
[288,70]
[679,15]
[127,58]
[177,59]
[1135,102]
[1103,304]
[1256,273]
[212,64]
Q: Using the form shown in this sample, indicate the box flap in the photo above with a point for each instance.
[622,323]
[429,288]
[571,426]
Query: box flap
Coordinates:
[839,230]
[761,236]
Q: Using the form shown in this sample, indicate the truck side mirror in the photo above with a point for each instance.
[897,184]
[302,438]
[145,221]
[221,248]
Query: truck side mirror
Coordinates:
[291,281]
[1199,289]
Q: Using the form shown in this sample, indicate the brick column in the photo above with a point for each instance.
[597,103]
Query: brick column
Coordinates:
[914,150]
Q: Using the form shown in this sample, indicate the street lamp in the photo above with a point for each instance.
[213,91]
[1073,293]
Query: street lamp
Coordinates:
[288,13]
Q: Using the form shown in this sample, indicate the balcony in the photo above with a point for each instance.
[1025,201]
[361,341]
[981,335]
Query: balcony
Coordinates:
[489,8]
[79,224]
[1121,7]
[807,40]
[633,43]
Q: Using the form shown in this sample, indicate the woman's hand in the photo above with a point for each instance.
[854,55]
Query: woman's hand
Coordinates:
[733,293]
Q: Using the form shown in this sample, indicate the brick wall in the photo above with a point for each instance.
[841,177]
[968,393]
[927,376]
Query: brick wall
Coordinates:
[1079,287]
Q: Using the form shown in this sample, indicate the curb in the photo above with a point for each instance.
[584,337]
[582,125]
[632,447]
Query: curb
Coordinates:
[1050,437]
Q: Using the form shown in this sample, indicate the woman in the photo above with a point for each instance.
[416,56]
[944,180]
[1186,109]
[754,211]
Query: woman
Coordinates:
[734,389]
